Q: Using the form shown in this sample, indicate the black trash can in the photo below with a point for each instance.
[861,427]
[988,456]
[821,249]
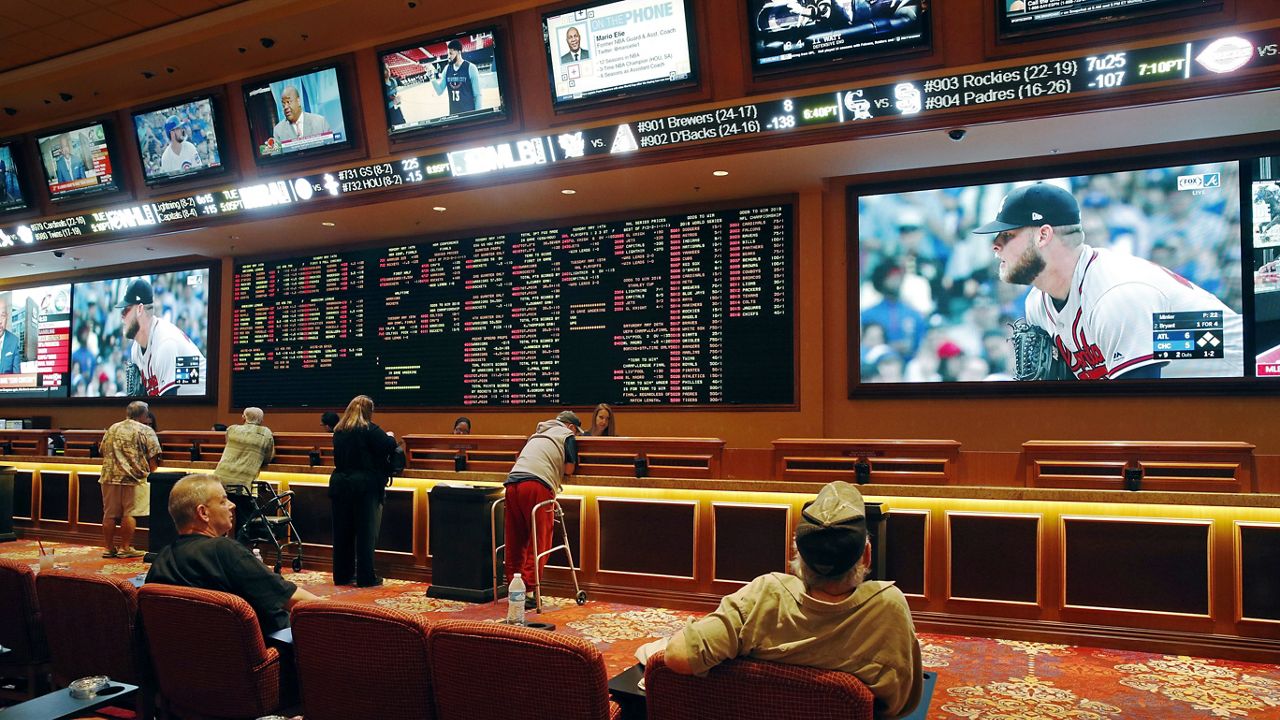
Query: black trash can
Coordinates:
[160,530]
[461,546]
[7,475]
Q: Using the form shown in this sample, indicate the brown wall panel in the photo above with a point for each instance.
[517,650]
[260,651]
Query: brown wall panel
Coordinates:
[55,490]
[89,505]
[994,557]
[1160,566]
[1260,572]
[397,533]
[656,538]
[750,540]
[572,508]
[905,550]
[22,494]
[313,514]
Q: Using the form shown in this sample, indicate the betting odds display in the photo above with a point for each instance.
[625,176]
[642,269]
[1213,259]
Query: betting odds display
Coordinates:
[677,309]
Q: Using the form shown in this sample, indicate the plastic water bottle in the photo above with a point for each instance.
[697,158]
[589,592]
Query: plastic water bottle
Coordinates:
[515,600]
[257,555]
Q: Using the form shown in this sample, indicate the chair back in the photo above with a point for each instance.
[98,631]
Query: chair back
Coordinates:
[91,622]
[208,654]
[745,688]
[21,628]
[362,661]
[490,670]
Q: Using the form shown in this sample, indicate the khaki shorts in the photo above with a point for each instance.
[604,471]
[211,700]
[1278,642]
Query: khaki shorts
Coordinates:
[121,500]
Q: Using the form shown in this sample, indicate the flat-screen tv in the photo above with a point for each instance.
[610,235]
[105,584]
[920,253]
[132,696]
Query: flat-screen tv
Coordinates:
[1123,276]
[77,162]
[787,33]
[444,81]
[13,195]
[179,141]
[142,335]
[1265,235]
[297,113]
[35,341]
[607,49]
[1025,17]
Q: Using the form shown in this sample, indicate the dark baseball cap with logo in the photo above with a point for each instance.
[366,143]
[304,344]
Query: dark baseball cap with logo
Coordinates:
[1033,206]
[138,293]
[833,530]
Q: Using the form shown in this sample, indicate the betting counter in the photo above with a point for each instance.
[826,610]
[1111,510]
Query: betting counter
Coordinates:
[1169,547]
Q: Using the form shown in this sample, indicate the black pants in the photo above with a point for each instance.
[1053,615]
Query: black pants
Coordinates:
[356,521]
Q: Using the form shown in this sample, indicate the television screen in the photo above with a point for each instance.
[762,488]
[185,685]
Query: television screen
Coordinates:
[1020,17]
[1120,275]
[35,341]
[669,309]
[1266,264]
[12,196]
[787,33]
[77,162]
[178,141]
[442,82]
[143,335]
[612,48]
[297,113]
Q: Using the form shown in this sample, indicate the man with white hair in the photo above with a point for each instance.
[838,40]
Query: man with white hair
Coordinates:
[130,453]
[825,615]
[249,448]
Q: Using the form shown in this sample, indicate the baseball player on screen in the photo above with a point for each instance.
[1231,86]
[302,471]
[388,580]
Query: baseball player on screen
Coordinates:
[1097,304]
[166,360]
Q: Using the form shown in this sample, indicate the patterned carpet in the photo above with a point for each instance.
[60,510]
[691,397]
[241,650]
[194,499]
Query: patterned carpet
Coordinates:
[978,678]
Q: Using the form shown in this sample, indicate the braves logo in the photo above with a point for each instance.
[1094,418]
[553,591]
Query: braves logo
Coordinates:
[1087,362]
[151,384]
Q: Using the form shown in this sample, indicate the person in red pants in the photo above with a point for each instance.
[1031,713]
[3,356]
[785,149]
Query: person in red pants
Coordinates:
[550,455]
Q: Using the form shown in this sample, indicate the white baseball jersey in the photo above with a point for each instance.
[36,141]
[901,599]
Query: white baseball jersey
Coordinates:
[1105,328]
[159,361]
[187,159]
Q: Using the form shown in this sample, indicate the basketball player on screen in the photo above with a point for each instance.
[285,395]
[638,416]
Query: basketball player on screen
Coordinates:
[461,79]
[1097,304]
[158,345]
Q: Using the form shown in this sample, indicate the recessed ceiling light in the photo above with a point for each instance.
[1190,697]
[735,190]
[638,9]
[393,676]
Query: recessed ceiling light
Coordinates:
[568,191]
[719,173]
[439,208]
[150,249]
[326,223]
[28,264]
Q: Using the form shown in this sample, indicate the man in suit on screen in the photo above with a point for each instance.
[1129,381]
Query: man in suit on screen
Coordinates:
[68,165]
[10,348]
[573,38]
[297,123]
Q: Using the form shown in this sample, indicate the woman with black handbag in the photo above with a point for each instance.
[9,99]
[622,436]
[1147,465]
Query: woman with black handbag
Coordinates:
[362,459]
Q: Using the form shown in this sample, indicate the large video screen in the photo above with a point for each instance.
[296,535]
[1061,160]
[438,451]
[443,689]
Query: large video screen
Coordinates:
[1021,17]
[675,309]
[142,335]
[445,81]
[35,342]
[77,162]
[613,48]
[1266,264]
[1110,276]
[297,113]
[788,33]
[12,193]
[178,141]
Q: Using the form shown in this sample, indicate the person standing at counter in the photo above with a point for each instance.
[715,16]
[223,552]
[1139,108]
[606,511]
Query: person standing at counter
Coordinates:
[550,455]
[329,420]
[362,470]
[462,426]
[602,422]
[249,447]
[130,452]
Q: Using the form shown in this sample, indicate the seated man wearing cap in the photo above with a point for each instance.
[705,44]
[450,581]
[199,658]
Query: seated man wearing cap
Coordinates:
[549,455]
[202,557]
[824,616]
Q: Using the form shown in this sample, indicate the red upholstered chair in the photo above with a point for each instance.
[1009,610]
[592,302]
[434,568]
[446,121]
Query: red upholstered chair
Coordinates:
[92,625]
[362,661]
[745,689]
[20,628]
[207,651]
[489,670]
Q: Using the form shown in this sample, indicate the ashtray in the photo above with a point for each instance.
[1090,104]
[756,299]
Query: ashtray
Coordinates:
[87,687]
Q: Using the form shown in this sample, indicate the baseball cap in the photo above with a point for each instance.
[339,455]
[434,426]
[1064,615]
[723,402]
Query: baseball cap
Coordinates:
[569,417]
[172,123]
[138,293]
[1038,204]
[833,529]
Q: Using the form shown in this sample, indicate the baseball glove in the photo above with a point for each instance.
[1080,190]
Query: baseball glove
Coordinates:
[132,380]
[1034,355]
